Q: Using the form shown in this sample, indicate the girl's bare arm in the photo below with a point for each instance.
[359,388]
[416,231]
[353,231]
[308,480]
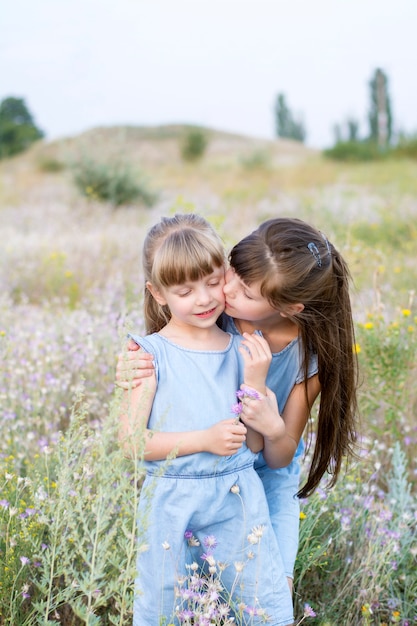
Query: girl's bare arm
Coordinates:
[257,357]
[138,441]
[281,433]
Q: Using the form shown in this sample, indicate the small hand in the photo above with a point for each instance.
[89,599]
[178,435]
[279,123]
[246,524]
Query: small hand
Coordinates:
[133,366]
[260,412]
[257,358]
[225,438]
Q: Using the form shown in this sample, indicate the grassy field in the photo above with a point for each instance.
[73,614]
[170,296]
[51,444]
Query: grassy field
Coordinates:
[71,287]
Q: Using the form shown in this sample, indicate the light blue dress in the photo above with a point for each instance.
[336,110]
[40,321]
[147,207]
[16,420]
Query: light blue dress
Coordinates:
[197,493]
[281,485]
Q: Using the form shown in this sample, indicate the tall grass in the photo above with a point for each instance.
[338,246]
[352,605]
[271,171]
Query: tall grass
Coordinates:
[68,295]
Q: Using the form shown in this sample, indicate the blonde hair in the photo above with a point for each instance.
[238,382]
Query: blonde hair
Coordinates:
[177,249]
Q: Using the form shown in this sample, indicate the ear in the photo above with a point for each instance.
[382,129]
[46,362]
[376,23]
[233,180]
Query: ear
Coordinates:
[156,294]
[292,309]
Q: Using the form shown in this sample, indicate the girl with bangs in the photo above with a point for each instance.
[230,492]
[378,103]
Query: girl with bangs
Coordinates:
[289,282]
[202,498]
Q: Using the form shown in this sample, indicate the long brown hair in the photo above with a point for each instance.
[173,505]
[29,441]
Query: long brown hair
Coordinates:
[295,263]
[177,249]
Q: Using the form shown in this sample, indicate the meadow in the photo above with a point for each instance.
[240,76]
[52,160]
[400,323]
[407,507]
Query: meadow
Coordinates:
[71,289]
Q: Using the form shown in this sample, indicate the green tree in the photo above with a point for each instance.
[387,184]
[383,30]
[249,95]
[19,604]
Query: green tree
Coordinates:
[353,129]
[17,127]
[286,125]
[380,114]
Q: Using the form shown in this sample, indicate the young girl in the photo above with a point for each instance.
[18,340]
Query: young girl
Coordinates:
[201,486]
[288,281]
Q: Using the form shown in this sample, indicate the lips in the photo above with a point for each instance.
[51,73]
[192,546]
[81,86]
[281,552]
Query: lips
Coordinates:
[206,313]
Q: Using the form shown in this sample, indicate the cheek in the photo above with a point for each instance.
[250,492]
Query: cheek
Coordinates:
[229,275]
[221,294]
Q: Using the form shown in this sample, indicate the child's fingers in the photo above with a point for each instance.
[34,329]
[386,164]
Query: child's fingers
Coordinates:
[256,344]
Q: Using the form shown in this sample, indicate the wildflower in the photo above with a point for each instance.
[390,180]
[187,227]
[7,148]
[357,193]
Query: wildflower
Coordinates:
[166,545]
[188,534]
[308,611]
[185,615]
[253,539]
[406,312]
[25,592]
[258,531]
[210,542]
[237,408]
[235,489]
[368,325]
[209,558]
[193,541]
[224,610]
[251,610]
[356,348]
[239,566]
[302,515]
[5,504]
[24,560]
[366,610]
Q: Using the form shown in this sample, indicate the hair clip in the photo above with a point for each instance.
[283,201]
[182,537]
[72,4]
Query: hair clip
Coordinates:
[315,252]
[326,241]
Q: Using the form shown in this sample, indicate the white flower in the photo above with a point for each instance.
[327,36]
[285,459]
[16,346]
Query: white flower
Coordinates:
[258,531]
[166,545]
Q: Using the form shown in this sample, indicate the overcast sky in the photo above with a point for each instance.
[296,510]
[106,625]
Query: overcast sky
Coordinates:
[219,63]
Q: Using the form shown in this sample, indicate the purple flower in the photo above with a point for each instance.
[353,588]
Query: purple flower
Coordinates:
[251,610]
[24,560]
[252,393]
[188,534]
[308,611]
[237,408]
[5,504]
[185,615]
[210,542]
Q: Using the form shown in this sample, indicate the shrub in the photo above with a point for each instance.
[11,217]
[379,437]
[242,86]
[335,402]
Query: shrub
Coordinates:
[50,165]
[407,148]
[256,160]
[357,545]
[354,151]
[111,182]
[193,144]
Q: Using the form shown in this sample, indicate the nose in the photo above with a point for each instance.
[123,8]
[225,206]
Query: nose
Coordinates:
[203,296]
